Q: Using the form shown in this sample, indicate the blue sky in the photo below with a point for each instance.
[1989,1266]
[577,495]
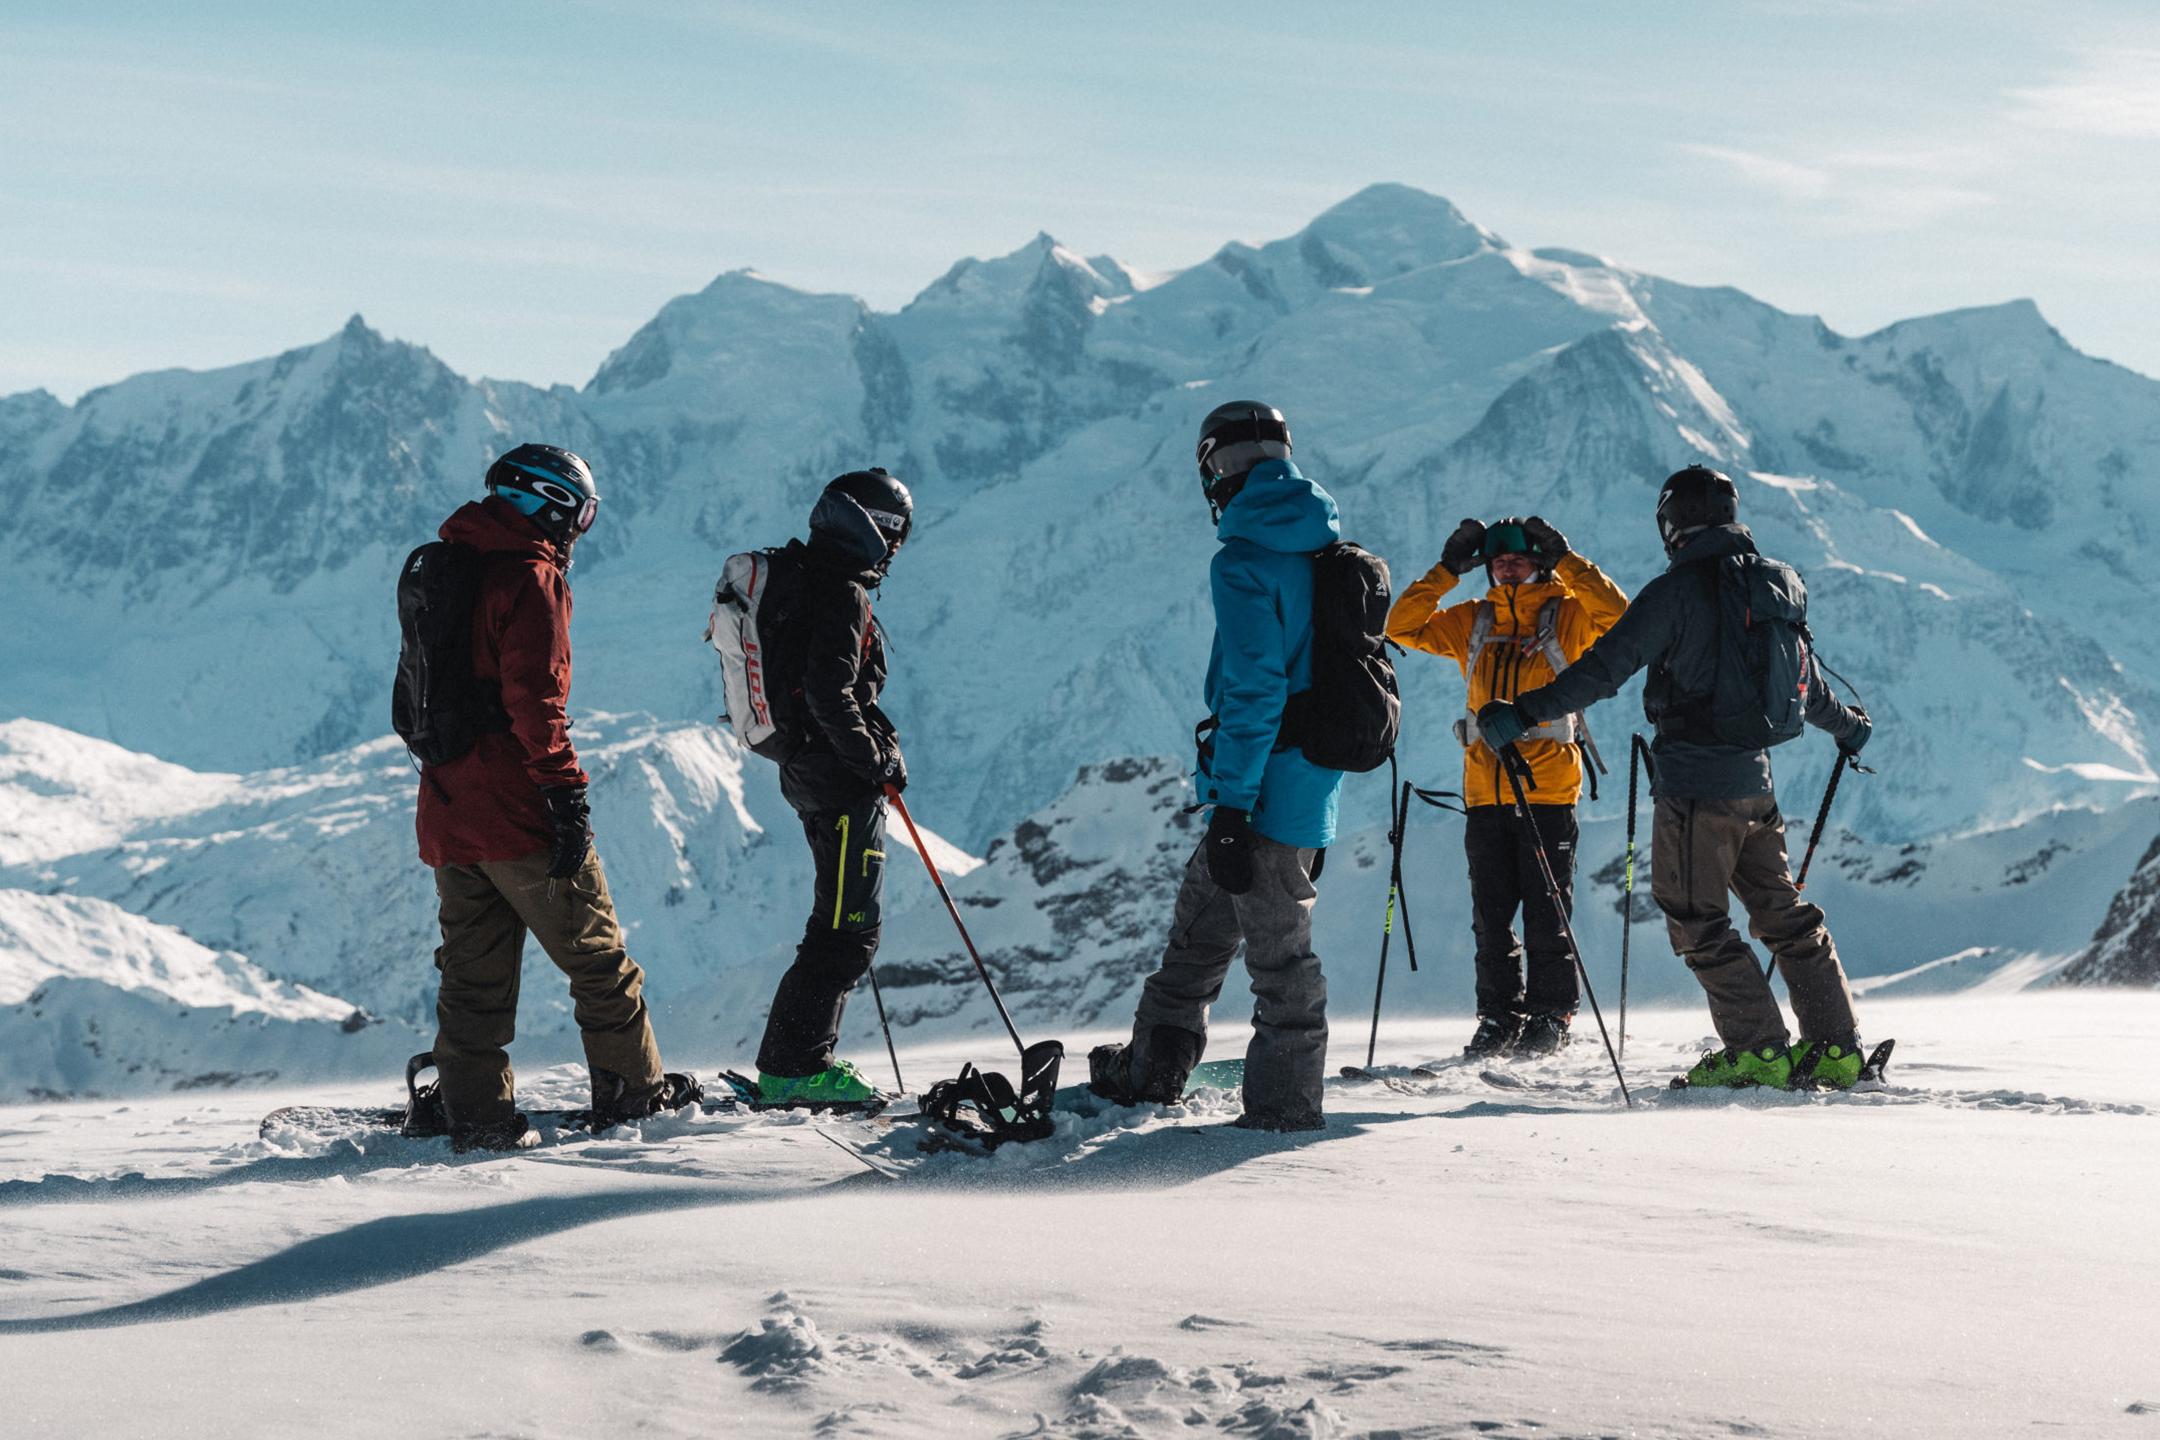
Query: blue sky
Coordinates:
[520,187]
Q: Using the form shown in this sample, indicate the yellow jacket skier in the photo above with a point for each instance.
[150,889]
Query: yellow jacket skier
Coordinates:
[1544,607]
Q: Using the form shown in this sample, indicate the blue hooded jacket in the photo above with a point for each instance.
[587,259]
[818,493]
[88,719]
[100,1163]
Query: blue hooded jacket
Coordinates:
[1262,581]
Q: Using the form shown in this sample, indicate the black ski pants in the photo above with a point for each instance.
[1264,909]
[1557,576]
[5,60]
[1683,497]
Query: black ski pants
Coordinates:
[1504,878]
[839,941]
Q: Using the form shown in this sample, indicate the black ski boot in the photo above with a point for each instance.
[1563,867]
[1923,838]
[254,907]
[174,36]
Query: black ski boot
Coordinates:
[1542,1035]
[428,1115]
[616,1103]
[505,1133]
[1280,1122]
[1171,1055]
[1496,1035]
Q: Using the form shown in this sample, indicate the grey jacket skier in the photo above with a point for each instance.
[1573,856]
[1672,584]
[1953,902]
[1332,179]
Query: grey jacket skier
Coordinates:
[1717,827]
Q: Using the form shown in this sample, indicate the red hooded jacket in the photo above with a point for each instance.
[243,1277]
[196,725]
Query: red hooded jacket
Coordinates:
[486,805]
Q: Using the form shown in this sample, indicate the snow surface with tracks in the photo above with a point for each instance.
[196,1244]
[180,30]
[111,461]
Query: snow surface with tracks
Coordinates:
[1968,1251]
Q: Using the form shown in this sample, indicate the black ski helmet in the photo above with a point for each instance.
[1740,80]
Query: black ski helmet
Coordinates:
[867,512]
[1694,498]
[1506,536]
[1233,439]
[550,487]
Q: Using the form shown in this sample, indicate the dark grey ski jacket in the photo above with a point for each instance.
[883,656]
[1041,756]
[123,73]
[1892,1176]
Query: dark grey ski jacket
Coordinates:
[1672,627]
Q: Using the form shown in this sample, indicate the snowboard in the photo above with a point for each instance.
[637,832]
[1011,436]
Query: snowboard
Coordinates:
[1214,1075]
[323,1123]
[333,1122]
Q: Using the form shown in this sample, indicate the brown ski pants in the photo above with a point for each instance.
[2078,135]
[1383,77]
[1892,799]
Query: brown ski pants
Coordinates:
[486,911]
[1700,850]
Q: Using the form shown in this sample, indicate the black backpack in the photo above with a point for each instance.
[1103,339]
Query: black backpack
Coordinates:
[1759,697]
[437,706]
[1351,715]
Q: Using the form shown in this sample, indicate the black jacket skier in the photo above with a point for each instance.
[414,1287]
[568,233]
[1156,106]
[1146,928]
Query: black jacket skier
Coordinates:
[1718,830]
[836,779]
[1672,626]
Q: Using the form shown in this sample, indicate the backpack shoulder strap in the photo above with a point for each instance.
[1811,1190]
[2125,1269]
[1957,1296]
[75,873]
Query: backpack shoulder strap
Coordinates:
[1482,621]
[1548,634]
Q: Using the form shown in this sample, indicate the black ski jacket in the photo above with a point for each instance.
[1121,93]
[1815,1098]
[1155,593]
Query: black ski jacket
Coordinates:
[1672,627]
[840,648]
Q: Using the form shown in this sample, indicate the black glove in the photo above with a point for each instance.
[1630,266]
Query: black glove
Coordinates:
[892,775]
[1228,848]
[571,819]
[1500,724]
[1464,549]
[1549,543]
[1854,743]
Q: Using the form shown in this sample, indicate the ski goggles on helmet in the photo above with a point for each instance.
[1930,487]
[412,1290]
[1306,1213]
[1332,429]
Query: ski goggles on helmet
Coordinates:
[582,509]
[891,524]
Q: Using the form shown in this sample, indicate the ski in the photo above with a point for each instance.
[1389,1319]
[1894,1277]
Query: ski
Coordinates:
[875,1167]
[1871,1073]
[743,1094]
[1385,1073]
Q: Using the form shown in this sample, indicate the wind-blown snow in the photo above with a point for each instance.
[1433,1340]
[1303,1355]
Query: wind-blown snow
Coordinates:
[1464,1258]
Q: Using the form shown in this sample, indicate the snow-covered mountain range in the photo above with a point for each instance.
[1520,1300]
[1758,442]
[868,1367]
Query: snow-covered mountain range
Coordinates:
[200,570]
[200,929]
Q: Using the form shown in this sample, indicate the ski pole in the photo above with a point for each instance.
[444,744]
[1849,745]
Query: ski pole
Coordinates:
[1512,761]
[1822,817]
[886,1025]
[893,794]
[1398,812]
[1638,755]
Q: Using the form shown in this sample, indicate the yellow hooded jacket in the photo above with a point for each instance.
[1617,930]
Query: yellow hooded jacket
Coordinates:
[1590,604]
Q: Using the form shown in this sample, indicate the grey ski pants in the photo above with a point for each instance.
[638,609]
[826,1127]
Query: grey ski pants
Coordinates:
[1287,1056]
[1700,850]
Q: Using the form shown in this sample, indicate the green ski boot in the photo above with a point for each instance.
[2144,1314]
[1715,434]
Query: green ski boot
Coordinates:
[1837,1064]
[840,1086]
[1770,1066]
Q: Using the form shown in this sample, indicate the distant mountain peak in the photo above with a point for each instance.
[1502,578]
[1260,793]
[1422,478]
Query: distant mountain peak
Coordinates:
[1392,207]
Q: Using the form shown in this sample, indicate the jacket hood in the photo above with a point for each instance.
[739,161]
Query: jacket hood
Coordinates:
[1279,509]
[840,526]
[492,527]
[1717,541]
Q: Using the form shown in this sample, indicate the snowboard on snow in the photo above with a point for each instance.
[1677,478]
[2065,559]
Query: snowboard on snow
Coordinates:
[332,1122]
[1214,1075]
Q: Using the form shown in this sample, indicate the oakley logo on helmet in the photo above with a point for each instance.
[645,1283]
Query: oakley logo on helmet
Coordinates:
[887,519]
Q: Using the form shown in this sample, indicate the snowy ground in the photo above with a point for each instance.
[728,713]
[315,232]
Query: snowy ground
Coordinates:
[1969,1252]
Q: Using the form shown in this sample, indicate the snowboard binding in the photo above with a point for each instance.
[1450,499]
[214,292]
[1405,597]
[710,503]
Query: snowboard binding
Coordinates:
[987,1110]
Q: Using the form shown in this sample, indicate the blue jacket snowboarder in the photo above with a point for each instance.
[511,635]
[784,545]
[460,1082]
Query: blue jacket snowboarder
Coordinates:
[1271,810]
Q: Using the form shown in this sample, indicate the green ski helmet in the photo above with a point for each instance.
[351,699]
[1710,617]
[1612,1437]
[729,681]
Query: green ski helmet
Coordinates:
[1506,536]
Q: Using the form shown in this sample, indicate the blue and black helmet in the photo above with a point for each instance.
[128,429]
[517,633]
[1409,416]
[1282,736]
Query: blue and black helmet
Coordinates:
[549,486]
